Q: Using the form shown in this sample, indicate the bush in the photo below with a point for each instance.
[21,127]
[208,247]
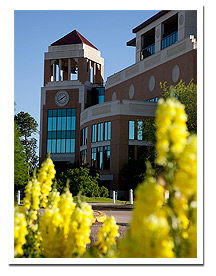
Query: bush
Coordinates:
[80,182]
[104,192]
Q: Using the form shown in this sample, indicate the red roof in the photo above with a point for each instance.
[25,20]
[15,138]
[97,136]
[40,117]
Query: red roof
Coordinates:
[73,37]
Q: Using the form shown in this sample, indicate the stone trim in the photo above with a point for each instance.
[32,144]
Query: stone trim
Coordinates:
[165,55]
[126,107]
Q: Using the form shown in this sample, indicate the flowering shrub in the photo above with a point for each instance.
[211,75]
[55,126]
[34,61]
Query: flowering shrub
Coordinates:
[164,222]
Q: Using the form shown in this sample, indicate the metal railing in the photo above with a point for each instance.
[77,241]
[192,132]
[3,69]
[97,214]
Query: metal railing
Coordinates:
[148,51]
[169,40]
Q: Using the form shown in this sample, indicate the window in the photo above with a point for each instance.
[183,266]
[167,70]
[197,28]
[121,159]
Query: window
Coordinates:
[61,130]
[84,136]
[93,157]
[101,96]
[170,31]
[131,130]
[107,131]
[84,157]
[106,157]
[140,130]
[99,158]
[100,132]
[153,100]
[94,133]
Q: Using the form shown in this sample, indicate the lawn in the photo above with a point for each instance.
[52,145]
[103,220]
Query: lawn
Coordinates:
[98,200]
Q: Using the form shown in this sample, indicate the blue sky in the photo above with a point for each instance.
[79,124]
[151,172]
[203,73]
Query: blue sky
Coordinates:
[35,30]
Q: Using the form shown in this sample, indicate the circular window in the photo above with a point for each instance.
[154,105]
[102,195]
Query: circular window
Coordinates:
[175,73]
[131,92]
[151,83]
[114,96]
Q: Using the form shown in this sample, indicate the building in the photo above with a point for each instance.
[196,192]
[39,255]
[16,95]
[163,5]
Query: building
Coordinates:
[81,120]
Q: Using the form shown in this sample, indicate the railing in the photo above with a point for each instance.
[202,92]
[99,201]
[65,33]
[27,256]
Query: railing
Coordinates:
[169,40]
[148,51]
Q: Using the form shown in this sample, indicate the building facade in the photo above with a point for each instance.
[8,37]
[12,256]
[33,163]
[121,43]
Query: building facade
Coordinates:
[81,120]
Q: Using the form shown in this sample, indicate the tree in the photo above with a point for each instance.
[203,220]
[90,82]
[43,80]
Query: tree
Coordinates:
[27,126]
[187,95]
[20,166]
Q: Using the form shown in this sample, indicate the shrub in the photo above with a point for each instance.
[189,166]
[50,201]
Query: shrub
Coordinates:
[104,192]
[80,182]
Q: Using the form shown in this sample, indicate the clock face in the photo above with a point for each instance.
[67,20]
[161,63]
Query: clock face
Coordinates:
[61,98]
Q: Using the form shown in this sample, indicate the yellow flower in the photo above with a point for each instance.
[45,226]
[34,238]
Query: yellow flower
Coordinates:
[20,231]
[171,130]
[107,235]
[186,176]
[45,176]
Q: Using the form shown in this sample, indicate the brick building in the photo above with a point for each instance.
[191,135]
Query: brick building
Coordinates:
[83,120]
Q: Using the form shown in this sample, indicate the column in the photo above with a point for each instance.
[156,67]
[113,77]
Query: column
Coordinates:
[158,36]
[54,71]
[60,66]
[69,69]
[94,71]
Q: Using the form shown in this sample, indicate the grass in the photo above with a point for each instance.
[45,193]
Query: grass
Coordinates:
[98,200]
[94,200]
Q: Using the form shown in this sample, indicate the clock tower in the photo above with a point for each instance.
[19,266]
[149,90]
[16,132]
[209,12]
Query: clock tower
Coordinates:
[73,69]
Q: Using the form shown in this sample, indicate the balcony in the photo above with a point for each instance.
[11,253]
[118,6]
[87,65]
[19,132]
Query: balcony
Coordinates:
[148,51]
[169,40]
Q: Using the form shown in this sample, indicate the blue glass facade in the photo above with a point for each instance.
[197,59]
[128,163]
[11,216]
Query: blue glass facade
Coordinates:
[100,132]
[131,130]
[94,133]
[107,131]
[61,130]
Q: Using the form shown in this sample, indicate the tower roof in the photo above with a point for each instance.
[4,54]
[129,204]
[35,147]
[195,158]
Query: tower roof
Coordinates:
[73,37]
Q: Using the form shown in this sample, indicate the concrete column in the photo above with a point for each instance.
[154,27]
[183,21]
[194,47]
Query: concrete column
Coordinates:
[131,196]
[181,25]
[94,72]
[69,69]
[60,66]
[158,31]
[54,71]
[18,197]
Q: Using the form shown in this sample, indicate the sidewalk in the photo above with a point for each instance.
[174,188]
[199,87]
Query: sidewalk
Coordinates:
[112,206]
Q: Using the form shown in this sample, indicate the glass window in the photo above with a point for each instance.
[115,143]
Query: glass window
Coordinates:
[49,123]
[84,135]
[84,157]
[107,131]
[53,149]
[140,130]
[49,145]
[99,158]
[106,158]
[101,96]
[61,130]
[100,132]
[94,133]
[131,130]
[93,157]
[67,145]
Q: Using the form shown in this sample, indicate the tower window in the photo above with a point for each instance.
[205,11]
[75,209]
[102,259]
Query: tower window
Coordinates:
[61,130]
